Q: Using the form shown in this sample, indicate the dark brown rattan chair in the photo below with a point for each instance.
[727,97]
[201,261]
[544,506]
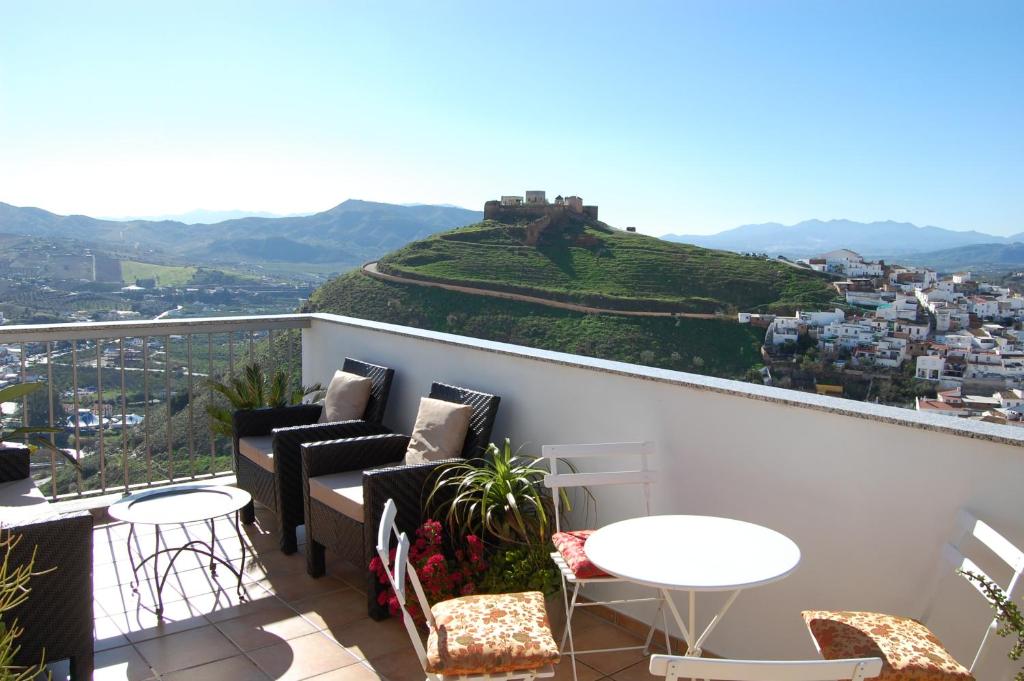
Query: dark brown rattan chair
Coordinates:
[356,540]
[280,490]
[57,618]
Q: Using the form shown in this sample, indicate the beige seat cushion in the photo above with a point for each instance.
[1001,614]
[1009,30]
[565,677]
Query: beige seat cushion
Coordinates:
[440,431]
[909,650]
[346,398]
[21,501]
[490,633]
[259,449]
[342,492]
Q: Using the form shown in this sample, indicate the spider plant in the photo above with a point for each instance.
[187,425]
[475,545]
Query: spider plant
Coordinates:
[500,498]
[253,389]
[33,435]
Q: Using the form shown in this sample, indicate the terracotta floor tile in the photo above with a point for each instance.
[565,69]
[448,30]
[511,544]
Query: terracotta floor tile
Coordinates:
[259,599]
[353,672]
[302,658]
[398,667]
[637,672]
[366,638]
[563,671]
[121,664]
[142,624]
[333,611]
[186,649]
[607,636]
[265,627]
[106,634]
[239,668]
[297,586]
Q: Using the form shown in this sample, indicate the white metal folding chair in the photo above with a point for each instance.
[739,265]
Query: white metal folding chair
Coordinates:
[953,556]
[606,453]
[398,571]
[674,667]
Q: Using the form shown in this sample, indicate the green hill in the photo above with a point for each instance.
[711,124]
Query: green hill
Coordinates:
[714,347]
[589,263]
[592,264]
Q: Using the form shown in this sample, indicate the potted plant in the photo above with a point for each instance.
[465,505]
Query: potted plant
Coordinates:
[502,499]
[1008,615]
[251,390]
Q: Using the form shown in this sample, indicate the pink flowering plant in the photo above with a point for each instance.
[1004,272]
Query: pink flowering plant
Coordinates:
[440,576]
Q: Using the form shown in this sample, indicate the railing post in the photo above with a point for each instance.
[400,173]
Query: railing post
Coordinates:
[98,402]
[124,419]
[49,418]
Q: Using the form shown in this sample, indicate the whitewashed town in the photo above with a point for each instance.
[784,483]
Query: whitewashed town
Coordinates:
[958,333]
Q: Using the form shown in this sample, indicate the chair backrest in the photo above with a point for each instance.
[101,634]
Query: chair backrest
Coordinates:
[485,409]
[380,388]
[397,571]
[673,667]
[969,527]
[609,452]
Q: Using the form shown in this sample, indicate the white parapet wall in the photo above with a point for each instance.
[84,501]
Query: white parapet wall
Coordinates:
[869,493]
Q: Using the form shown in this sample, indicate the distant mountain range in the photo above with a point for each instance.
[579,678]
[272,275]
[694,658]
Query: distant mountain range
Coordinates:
[202,216]
[813,237]
[346,235]
[975,258]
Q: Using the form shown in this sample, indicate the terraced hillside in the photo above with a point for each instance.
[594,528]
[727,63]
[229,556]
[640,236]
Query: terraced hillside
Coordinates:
[598,266]
[713,347]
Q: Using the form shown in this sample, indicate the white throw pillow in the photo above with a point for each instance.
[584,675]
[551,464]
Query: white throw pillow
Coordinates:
[440,431]
[346,397]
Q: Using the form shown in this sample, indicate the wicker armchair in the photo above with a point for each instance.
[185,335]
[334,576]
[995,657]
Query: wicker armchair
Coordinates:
[275,480]
[57,617]
[355,538]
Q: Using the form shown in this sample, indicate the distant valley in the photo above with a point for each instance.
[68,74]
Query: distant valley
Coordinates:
[333,240]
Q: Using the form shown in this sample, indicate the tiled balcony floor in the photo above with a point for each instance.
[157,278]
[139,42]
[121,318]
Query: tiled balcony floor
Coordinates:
[289,627]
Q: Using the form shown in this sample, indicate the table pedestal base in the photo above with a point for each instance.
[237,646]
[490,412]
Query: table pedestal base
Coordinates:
[197,546]
[693,641]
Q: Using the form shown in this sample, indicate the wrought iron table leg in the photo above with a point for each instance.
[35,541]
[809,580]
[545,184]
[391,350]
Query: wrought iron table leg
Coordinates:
[131,559]
[156,575]
[241,541]
[213,544]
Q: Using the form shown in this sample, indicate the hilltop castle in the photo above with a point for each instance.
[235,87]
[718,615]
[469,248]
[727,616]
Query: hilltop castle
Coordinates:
[535,206]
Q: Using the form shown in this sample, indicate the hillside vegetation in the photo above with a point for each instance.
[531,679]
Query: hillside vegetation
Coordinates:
[595,265]
[718,348]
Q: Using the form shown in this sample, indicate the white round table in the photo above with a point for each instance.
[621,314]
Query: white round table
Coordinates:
[693,553]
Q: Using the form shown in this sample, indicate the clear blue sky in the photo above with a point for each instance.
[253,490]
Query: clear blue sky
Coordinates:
[683,117]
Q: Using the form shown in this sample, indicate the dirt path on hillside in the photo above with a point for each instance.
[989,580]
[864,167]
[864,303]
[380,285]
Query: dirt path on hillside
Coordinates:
[370,269]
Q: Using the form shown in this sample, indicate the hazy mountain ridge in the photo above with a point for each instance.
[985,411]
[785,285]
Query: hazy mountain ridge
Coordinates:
[977,257]
[347,234]
[812,237]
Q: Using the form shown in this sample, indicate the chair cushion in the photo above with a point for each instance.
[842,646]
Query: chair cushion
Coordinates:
[909,650]
[21,502]
[490,633]
[346,398]
[440,431]
[570,547]
[259,449]
[342,492]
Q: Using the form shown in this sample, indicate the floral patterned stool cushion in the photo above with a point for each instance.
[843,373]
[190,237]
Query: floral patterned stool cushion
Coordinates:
[490,633]
[570,546]
[909,650]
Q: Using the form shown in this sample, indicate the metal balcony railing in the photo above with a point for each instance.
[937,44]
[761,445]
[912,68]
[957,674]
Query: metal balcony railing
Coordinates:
[129,398]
